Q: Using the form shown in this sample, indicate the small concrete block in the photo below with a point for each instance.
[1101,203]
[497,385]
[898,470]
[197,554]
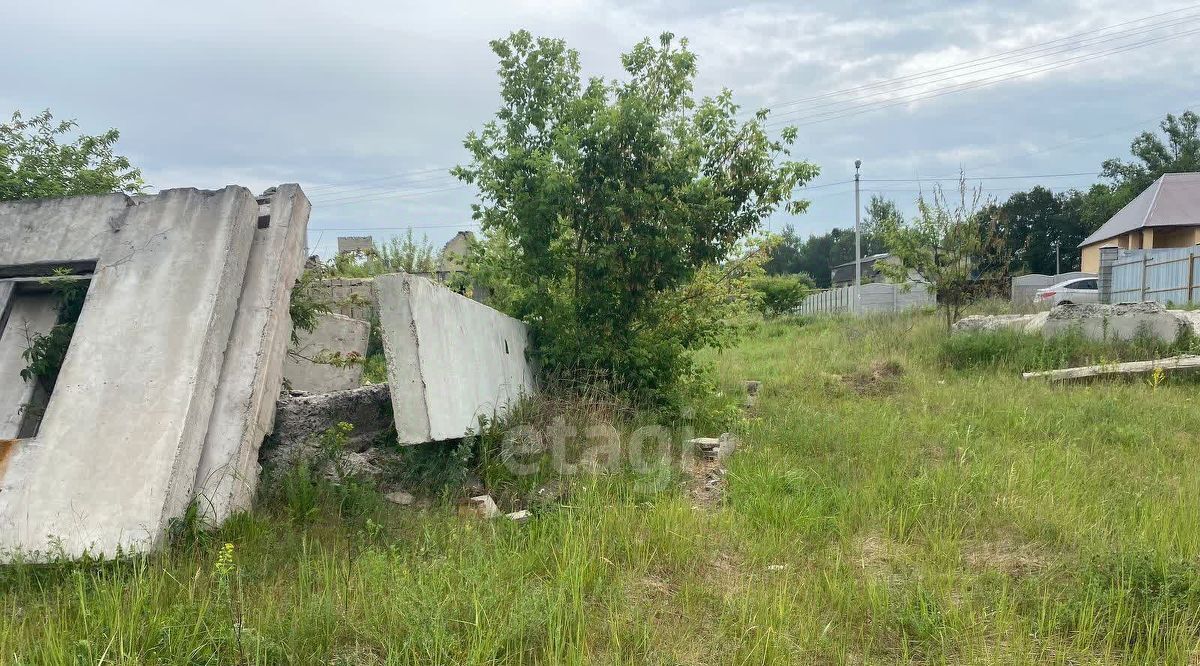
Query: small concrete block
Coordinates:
[714,448]
[336,338]
[400,497]
[519,516]
[727,445]
[706,447]
[482,506]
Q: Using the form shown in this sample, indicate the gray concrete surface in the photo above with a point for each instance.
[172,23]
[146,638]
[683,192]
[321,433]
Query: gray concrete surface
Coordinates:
[301,419]
[336,338]
[29,314]
[120,443]
[1123,321]
[978,323]
[173,368]
[244,410]
[1094,321]
[450,359]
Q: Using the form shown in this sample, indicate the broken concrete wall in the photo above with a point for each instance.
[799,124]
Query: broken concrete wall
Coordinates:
[329,358]
[244,411]
[450,359]
[119,446]
[349,297]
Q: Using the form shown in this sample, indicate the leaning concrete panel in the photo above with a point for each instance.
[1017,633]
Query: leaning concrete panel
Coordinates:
[244,410]
[121,439]
[450,359]
[308,367]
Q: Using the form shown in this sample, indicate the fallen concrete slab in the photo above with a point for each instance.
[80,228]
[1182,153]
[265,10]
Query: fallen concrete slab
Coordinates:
[1184,362]
[450,359]
[1122,321]
[983,323]
[244,411]
[329,358]
[116,453]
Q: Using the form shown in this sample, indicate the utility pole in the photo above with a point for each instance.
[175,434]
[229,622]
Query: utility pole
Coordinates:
[1057,258]
[857,240]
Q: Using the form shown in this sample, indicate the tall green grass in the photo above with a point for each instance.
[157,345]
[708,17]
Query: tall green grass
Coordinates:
[962,515]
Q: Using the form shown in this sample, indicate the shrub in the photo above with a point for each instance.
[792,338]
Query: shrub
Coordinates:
[781,294]
[613,211]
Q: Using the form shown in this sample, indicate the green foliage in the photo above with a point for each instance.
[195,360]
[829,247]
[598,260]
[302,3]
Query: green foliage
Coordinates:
[34,164]
[782,294]
[46,351]
[819,253]
[308,301]
[969,518]
[1177,151]
[400,254]
[1024,352]
[1033,223]
[610,209]
[956,248]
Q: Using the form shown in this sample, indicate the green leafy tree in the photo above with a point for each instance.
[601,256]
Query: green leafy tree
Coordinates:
[959,250]
[605,203]
[1176,151]
[37,160]
[1035,222]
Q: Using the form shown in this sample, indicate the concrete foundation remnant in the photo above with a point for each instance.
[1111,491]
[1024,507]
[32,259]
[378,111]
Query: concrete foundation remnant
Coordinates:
[1095,321]
[161,336]
[1122,321]
[450,359]
[330,357]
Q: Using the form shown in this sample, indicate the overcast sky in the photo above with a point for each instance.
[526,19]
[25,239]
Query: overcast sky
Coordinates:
[365,104]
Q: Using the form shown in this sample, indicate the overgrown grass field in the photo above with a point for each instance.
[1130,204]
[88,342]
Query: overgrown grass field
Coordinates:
[896,498]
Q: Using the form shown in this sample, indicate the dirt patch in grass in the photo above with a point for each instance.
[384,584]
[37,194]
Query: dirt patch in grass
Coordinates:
[877,553]
[882,377]
[1006,555]
[706,483]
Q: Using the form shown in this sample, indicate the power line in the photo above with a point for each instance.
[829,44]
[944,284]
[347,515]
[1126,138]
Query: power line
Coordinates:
[1006,55]
[395,195]
[427,226]
[402,174]
[390,187]
[855,110]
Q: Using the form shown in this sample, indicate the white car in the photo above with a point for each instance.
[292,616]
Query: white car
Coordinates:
[1075,290]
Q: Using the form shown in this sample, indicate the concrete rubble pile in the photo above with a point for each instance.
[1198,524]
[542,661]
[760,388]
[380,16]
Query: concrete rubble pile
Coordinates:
[1121,321]
[171,377]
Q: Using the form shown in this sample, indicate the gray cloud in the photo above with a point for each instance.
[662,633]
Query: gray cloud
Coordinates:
[259,93]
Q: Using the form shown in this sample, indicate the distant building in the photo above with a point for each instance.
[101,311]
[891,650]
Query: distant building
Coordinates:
[454,253]
[842,275]
[1166,214]
[348,244]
